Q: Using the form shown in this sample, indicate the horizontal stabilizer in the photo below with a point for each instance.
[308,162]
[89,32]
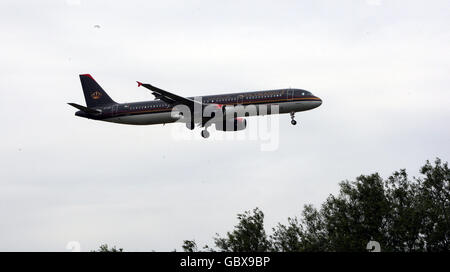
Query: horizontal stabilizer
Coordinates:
[169,97]
[85,109]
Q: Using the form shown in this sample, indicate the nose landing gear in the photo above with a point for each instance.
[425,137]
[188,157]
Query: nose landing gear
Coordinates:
[293,122]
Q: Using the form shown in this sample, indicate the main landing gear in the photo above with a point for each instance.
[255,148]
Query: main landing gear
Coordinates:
[293,122]
[205,133]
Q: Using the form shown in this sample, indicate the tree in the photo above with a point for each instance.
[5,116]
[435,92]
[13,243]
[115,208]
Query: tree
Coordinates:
[405,216]
[189,246]
[286,238]
[399,213]
[248,235]
[344,223]
[104,248]
[435,201]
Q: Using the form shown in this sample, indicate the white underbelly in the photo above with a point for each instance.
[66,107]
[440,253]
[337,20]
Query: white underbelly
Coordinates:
[144,119]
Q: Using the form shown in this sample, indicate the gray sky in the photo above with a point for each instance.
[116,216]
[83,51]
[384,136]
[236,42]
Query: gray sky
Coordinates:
[381,68]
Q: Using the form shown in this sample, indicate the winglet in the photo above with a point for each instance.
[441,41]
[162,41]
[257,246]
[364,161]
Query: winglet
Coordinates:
[139,83]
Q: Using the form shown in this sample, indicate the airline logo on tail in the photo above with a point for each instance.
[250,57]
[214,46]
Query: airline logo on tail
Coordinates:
[96,95]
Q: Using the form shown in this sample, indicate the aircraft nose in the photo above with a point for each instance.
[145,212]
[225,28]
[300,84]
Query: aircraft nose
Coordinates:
[319,101]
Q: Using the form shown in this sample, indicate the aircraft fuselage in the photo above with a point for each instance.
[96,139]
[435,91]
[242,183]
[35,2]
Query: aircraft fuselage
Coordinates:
[222,110]
[159,112]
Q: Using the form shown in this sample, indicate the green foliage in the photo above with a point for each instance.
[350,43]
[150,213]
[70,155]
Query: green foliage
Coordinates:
[286,238]
[248,235]
[189,246]
[104,248]
[404,219]
[399,213]
[435,201]
[357,215]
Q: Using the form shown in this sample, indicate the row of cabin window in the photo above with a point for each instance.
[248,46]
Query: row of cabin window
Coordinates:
[149,107]
[264,96]
[212,101]
[256,97]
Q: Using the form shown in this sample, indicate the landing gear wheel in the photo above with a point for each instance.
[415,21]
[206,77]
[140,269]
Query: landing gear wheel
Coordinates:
[293,122]
[205,133]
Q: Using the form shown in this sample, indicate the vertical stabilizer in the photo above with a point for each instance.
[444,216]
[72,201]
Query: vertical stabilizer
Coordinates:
[93,93]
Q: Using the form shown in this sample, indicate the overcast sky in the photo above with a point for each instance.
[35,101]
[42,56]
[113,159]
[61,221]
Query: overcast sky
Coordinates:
[381,68]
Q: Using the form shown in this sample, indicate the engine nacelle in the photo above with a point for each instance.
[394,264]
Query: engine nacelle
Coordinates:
[235,124]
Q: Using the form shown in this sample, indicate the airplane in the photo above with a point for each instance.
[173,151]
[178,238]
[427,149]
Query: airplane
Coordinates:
[164,109]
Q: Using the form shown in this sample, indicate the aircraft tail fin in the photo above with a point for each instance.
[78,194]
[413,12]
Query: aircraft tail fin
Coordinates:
[93,93]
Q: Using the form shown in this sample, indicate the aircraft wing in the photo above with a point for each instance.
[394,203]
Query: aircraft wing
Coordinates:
[169,97]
